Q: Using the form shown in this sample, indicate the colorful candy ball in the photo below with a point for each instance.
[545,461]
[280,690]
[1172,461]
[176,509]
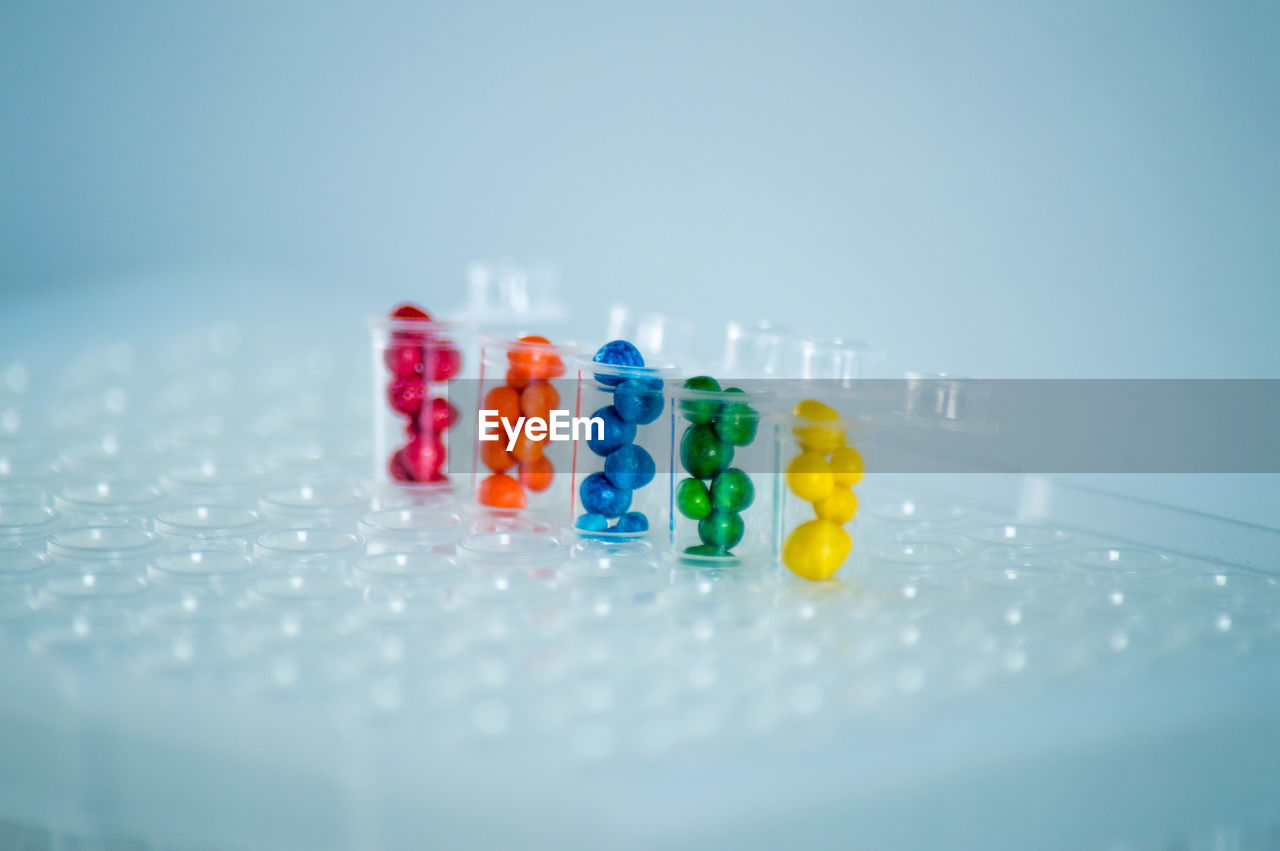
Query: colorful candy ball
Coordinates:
[629,467]
[692,499]
[600,496]
[736,422]
[631,522]
[700,411]
[617,432]
[639,400]
[732,491]
[703,453]
[721,529]
[617,353]
[406,395]
[815,550]
[592,523]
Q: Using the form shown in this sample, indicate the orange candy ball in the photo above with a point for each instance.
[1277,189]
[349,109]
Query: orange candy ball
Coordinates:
[537,475]
[493,456]
[534,360]
[504,400]
[538,399]
[501,491]
[526,450]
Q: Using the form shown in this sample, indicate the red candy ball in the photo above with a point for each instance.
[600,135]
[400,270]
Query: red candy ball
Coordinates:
[406,395]
[443,362]
[409,310]
[423,457]
[404,360]
[436,416]
[397,470]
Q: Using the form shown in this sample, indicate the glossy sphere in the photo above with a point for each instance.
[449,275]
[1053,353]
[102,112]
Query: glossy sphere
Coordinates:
[736,422]
[537,475]
[639,400]
[423,458]
[600,496]
[705,550]
[436,415]
[840,507]
[406,395]
[700,411]
[442,362]
[616,353]
[538,398]
[629,467]
[517,378]
[732,491]
[501,491]
[403,359]
[704,454]
[823,432]
[495,457]
[809,477]
[631,522]
[536,359]
[397,470]
[846,463]
[617,432]
[816,550]
[409,310]
[593,523]
[526,449]
[692,499]
[721,529]
[504,400]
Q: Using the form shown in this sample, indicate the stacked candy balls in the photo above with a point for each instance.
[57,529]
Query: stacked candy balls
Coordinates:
[715,494]
[606,495]
[417,358]
[527,391]
[823,474]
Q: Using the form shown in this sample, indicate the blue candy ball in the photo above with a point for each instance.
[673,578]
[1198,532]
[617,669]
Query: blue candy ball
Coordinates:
[632,521]
[617,432]
[639,400]
[593,523]
[629,467]
[600,496]
[617,353]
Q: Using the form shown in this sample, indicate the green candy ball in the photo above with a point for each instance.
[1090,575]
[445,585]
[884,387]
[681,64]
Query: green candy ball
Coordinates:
[732,491]
[702,453]
[705,550]
[692,499]
[721,529]
[700,411]
[736,422]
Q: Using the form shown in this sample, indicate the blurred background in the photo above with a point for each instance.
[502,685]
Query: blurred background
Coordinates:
[998,189]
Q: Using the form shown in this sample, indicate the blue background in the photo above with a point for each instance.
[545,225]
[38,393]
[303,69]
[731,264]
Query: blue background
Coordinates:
[995,189]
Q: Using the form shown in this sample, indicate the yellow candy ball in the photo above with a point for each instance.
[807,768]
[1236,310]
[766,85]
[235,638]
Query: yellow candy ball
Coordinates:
[812,409]
[816,550]
[809,477]
[813,436]
[846,463]
[840,507]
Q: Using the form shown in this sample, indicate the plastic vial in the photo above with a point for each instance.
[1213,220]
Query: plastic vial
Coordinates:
[817,500]
[621,473]
[525,388]
[413,417]
[721,495]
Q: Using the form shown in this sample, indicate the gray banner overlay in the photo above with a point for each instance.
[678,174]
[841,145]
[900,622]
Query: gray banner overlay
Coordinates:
[942,424]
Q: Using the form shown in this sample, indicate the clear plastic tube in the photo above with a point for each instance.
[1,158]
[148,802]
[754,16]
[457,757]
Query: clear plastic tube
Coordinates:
[618,492]
[413,416]
[721,495]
